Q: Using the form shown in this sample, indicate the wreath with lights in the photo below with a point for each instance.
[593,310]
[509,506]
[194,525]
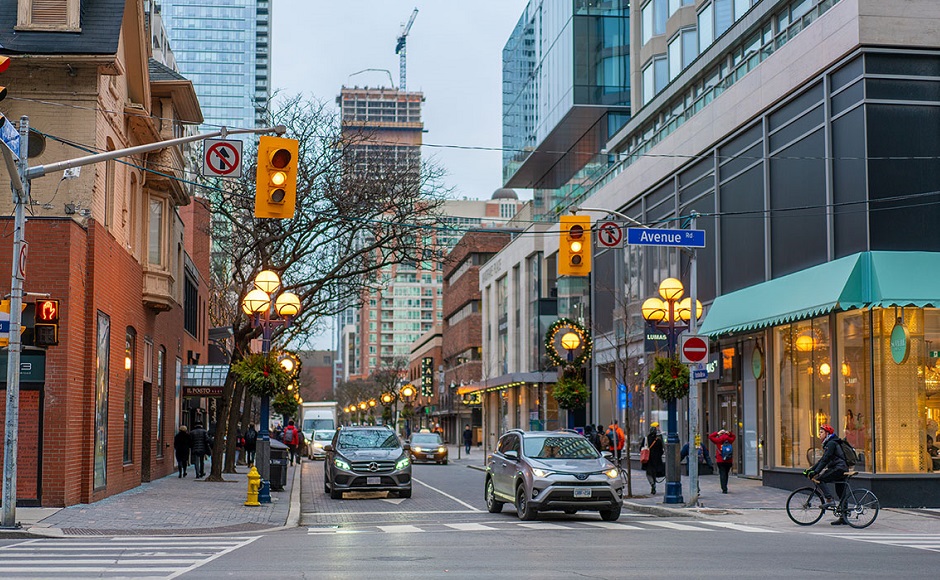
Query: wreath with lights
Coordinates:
[669,378]
[570,392]
[261,374]
[586,343]
[285,403]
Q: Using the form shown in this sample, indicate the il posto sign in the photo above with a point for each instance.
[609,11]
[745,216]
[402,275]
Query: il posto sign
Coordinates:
[202,391]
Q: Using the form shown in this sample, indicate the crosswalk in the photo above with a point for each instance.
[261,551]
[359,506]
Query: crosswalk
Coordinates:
[510,525]
[929,542]
[151,557]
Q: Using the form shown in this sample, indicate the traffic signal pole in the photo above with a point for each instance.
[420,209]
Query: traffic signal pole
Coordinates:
[21,179]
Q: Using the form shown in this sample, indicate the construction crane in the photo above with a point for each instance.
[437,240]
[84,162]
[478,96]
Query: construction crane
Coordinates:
[400,49]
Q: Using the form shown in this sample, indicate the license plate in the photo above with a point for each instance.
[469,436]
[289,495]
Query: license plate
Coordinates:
[378,481]
[582,493]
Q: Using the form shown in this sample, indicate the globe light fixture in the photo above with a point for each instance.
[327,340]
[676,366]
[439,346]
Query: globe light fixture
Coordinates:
[256,302]
[671,289]
[570,341]
[654,310]
[287,304]
[267,281]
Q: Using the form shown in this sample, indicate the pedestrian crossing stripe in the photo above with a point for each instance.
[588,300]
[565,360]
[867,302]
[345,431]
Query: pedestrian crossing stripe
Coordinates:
[930,542]
[492,526]
[140,556]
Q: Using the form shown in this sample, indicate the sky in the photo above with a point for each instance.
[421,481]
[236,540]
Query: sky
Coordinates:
[454,56]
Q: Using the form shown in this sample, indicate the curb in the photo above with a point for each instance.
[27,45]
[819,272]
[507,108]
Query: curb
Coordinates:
[656,510]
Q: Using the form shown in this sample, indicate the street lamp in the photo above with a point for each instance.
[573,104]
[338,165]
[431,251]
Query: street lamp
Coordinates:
[387,399]
[407,393]
[671,313]
[258,305]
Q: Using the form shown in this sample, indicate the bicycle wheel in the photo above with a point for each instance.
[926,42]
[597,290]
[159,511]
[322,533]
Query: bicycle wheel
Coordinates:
[804,506]
[861,508]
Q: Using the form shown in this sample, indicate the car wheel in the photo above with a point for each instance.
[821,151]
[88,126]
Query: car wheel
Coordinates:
[444,462]
[611,515]
[493,505]
[405,493]
[336,494]
[524,506]
[571,512]
[326,486]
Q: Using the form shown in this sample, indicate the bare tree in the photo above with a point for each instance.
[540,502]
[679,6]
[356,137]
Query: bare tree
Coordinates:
[359,210]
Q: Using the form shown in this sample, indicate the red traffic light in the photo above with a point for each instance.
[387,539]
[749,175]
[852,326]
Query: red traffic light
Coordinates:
[47,311]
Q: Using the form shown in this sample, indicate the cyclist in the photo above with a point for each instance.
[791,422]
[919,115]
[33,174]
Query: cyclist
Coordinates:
[831,467]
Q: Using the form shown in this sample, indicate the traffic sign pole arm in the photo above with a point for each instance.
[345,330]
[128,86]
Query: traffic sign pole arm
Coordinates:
[576,209]
[41,170]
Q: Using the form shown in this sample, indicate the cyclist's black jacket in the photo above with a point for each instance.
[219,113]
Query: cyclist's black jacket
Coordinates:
[832,458]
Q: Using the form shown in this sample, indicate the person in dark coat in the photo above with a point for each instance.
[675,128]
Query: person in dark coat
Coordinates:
[200,449]
[251,443]
[181,445]
[655,468]
[831,467]
[719,438]
[467,438]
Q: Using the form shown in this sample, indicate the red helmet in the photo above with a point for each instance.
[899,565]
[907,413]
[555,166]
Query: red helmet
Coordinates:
[827,428]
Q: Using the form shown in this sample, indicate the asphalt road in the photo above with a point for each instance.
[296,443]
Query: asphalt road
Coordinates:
[444,531]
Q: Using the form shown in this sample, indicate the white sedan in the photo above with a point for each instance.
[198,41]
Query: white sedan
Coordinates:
[315,444]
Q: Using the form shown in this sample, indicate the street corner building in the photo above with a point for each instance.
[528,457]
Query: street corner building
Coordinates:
[122,245]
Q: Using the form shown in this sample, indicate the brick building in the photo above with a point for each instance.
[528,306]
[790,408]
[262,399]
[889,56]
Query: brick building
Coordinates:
[316,375]
[120,246]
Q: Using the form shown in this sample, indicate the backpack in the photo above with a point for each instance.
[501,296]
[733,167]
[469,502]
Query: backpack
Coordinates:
[290,435]
[851,456]
[604,440]
[727,451]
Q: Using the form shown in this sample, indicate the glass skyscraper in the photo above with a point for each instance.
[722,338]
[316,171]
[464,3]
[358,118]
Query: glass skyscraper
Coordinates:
[223,47]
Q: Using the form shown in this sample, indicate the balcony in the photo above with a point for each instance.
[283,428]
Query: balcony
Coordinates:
[159,290]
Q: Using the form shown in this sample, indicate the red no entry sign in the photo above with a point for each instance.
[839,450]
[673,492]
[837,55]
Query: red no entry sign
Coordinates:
[693,349]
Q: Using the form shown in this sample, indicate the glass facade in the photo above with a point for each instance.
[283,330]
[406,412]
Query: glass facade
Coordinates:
[223,48]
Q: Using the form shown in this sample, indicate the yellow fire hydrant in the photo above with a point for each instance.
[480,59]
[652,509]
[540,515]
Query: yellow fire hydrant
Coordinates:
[254,484]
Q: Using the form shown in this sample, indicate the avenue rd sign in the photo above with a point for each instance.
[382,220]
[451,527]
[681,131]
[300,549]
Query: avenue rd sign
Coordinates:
[666,237]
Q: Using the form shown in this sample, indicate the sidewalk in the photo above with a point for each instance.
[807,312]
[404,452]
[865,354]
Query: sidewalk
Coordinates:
[170,506]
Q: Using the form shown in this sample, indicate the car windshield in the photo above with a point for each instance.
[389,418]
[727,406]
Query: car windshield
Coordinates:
[368,439]
[559,447]
[425,439]
[323,435]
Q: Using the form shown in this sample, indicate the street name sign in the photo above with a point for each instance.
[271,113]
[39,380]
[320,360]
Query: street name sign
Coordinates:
[693,348]
[222,158]
[666,237]
[9,135]
[610,235]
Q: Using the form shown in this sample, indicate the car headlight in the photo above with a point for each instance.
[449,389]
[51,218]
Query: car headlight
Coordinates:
[441,449]
[542,472]
[612,473]
[417,449]
[318,445]
[403,463]
[341,464]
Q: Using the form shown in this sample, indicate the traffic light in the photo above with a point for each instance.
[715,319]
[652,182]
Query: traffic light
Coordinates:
[4,65]
[46,329]
[574,247]
[276,179]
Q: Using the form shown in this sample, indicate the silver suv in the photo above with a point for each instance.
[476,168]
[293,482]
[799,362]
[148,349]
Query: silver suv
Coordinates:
[366,459]
[551,471]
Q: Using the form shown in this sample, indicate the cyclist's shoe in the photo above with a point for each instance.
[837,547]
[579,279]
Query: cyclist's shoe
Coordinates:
[828,504]
[838,522]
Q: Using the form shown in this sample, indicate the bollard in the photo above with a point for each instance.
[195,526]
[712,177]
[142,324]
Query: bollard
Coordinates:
[254,484]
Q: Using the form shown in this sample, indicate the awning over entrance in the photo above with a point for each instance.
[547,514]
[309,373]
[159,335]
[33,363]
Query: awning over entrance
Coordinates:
[507,381]
[204,380]
[866,279]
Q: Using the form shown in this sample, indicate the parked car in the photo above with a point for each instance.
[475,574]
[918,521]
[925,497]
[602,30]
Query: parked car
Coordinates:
[551,471]
[428,447]
[317,441]
[367,459]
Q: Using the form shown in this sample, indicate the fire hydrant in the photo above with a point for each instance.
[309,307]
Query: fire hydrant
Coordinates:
[254,484]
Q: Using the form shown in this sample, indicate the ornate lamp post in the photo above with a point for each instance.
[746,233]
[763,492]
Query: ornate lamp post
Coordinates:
[268,312]
[387,399]
[671,314]
[407,394]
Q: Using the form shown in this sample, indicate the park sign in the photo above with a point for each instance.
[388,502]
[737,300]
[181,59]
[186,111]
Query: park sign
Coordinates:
[666,237]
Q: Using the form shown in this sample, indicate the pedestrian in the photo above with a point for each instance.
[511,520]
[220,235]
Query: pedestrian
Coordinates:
[654,467]
[831,467]
[467,438]
[290,438]
[200,448]
[181,445]
[615,434]
[724,456]
[251,442]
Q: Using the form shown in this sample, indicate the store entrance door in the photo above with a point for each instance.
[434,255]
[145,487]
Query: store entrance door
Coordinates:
[728,420]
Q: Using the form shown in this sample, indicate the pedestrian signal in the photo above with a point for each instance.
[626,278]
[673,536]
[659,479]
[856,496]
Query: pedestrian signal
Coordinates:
[276,178]
[46,329]
[574,246]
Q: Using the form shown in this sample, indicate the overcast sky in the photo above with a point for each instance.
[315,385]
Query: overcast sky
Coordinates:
[454,57]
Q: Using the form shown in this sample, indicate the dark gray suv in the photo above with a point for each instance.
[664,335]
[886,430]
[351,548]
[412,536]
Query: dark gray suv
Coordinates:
[551,471]
[366,459]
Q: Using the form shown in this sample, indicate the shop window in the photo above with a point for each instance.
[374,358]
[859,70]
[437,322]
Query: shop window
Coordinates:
[851,369]
[130,342]
[803,376]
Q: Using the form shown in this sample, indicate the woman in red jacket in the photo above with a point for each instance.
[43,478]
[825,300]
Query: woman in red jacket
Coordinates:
[724,459]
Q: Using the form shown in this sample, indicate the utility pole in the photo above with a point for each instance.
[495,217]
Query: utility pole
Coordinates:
[694,436]
[20,181]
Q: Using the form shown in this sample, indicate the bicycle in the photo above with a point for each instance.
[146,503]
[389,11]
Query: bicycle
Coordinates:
[858,507]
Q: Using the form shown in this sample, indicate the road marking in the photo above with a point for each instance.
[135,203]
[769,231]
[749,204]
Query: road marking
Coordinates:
[545,526]
[400,529]
[739,527]
[393,500]
[470,527]
[612,526]
[675,526]
[445,494]
[385,513]
[930,542]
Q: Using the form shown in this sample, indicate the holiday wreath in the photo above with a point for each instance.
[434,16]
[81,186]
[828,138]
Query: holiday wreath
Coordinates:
[262,374]
[563,326]
[669,378]
[570,392]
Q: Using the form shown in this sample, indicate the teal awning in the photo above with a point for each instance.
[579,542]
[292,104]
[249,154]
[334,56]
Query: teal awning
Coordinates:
[866,279]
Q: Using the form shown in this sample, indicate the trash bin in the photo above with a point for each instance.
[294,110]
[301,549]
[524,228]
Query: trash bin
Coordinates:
[279,459]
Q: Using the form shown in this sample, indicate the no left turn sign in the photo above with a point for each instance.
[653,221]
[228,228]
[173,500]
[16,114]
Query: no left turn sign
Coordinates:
[610,234]
[222,158]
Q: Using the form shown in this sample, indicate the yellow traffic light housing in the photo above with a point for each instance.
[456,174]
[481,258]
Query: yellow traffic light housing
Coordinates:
[276,178]
[574,246]
[4,65]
